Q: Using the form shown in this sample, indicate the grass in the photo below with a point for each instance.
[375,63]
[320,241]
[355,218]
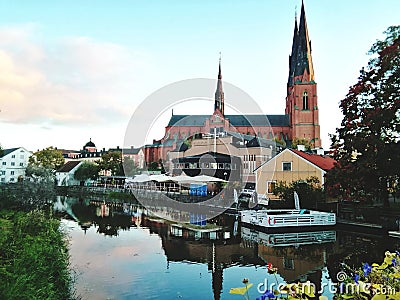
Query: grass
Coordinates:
[34,261]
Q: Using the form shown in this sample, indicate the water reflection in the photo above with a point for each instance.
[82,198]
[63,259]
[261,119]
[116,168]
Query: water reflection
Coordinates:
[148,257]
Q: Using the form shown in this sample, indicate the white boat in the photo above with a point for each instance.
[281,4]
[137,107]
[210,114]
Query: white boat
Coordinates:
[278,218]
[281,218]
[288,238]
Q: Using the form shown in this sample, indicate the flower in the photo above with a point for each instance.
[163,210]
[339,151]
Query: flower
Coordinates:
[367,269]
[271,269]
[245,280]
[394,262]
[356,277]
[398,253]
[267,295]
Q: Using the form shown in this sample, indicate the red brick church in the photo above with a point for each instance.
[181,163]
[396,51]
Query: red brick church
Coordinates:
[299,121]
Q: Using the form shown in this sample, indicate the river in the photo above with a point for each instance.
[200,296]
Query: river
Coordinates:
[119,251]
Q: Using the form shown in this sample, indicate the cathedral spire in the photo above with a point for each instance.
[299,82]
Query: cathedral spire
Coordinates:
[219,93]
[300,59]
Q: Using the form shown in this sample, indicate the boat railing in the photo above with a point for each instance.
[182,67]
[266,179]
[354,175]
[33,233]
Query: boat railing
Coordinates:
[304,220]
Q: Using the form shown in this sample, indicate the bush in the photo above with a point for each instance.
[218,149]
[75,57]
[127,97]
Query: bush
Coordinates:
[34,257]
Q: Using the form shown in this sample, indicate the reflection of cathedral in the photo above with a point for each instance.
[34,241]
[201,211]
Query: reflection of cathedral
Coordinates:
[299,121]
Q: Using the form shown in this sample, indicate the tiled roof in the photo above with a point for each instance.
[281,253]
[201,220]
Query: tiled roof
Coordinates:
[67,167]
[188,120]
[324,162]
[258,120]
[235,120]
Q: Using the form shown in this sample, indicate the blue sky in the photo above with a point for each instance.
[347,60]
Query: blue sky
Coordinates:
[74,70]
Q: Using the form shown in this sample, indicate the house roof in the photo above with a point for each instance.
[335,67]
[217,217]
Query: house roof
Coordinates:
[8,151]
[321,161]
[131,150]
[324,162]
[235,120]
[67,167]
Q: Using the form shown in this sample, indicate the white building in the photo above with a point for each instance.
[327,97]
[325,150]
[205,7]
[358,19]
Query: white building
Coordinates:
[65,174]
[13,163]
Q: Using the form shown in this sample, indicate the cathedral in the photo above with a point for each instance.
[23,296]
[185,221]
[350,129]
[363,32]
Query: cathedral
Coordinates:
[300,119]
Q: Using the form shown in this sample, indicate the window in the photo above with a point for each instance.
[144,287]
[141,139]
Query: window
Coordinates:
[21,164]
[270,186]
[3,179]
[286,166]
[12,179]
[305,100]
[13,163]
[4,163]
[12,173]
[13,156]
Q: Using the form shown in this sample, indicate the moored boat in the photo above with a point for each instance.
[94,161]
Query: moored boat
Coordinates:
[281,218]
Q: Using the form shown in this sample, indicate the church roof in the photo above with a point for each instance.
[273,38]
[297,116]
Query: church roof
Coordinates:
[235,120]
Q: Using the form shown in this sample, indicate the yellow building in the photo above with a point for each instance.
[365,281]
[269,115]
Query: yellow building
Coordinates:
[288,166]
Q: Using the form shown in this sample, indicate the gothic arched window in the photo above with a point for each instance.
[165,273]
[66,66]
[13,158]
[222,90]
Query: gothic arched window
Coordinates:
[305,100]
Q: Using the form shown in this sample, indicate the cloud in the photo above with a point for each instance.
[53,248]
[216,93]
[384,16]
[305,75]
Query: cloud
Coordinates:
[69,81]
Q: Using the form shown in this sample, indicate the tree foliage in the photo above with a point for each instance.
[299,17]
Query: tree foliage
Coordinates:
[87,170]
[50,158]
[112,161]
[366,145]
[297,141]
[310,192]
[130,167]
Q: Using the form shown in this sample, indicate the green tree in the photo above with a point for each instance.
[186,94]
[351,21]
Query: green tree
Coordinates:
[87,170]
[366,145]
[112,161]
[310,192]
[297,141]
[130,167]
[50,158]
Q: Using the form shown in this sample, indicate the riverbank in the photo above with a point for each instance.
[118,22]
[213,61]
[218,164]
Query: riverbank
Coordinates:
[34,257]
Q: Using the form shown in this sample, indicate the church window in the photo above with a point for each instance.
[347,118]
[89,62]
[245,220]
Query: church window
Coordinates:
[305,100]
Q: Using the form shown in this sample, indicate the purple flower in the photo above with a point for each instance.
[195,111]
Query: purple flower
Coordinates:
[356,277]
[394,261]
[267,295]
[398,253]
[367,269]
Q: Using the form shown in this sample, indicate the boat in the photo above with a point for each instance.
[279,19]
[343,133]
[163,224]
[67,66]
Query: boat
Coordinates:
[287,218]
[288,238]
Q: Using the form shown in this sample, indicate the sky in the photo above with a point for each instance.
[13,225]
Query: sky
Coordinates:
[74,70]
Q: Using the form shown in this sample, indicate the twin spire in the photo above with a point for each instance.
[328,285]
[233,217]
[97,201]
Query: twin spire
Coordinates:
[300,60]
